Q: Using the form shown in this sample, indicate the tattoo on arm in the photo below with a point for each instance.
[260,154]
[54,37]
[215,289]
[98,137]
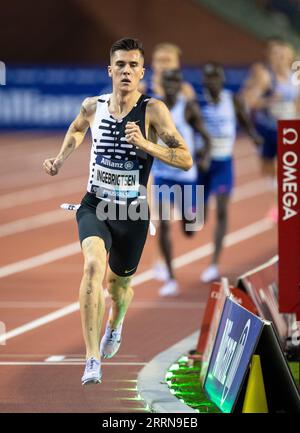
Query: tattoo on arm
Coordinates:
[170,141]
[172,154]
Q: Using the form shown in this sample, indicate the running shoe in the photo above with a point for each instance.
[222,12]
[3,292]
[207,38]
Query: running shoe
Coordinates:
[111,341]
[92,373]
[160,271]
[169,289]
[210,274]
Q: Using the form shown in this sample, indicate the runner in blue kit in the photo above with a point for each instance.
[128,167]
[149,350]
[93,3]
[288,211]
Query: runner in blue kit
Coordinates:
[124,125]
[187,118]
[220,110]
[271,95]
[165,56]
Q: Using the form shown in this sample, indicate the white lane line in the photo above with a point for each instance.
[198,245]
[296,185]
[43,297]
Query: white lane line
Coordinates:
[82,358]
[45,192]
[135,304]
[62,312]
[250,189]
[17,363]
[41,259]
[67,357]
[167,305]
[60,188]
[242,192]
[35,222]
[231,239]
[31,305]
[55,358]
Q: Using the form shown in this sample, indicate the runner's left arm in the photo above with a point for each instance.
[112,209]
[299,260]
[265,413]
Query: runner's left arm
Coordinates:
[175,152]
[73,138]
[245,120]
[194,119]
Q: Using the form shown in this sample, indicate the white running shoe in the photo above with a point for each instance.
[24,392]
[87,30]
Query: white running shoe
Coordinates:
[169,289]
[92,373]
[160,271]
[210,274]
[111,341]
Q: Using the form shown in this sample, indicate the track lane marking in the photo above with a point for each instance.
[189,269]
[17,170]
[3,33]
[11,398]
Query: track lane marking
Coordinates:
[233,238]
[73,184]
[241,192]
[53,363]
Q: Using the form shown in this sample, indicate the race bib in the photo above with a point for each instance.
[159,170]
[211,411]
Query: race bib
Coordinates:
[284,110]
[116,179]
[221,147]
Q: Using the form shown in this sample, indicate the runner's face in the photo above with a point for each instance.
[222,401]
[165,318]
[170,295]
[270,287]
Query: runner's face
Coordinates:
[279,56]
[164,60]
[126,70]
[171,85]
[214,84]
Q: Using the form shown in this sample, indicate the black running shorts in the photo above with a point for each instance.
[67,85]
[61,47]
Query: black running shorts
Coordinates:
[124,239]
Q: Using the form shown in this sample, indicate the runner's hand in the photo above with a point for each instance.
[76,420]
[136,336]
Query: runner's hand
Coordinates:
[203,161]
[134,135]
[52,166]
[257,139]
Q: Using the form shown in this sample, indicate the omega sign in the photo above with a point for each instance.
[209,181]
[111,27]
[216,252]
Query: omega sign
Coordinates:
[290,179]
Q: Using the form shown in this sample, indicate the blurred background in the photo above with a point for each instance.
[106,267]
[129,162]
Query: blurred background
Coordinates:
[56,51]
[56,54]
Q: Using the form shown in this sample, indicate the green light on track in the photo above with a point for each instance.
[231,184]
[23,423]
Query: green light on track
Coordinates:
[169,375]
[122,380]
[147,408]
[183,380]
[127,389]
[141,409]
[174,367]
[130,398]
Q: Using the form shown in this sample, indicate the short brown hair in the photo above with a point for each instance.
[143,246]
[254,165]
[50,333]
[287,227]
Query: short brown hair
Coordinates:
[127,44]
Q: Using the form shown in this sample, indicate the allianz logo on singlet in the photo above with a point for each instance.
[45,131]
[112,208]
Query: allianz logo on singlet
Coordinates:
[128,165]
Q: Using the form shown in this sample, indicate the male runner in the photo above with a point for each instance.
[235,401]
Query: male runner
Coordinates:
[220,110]
[165,56]
[187,118]
[270,94]
[124,127]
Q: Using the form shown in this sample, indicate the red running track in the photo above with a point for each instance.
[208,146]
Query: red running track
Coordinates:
[35,284]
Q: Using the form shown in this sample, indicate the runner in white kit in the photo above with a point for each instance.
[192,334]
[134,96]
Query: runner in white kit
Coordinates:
[220,110]
[187,118]
[125,125]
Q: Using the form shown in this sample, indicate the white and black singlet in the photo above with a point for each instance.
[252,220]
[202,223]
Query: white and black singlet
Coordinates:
[118,177]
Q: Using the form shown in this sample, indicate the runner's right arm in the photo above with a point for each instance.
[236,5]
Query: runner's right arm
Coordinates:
[194,119]
[254,88]
[73,138]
